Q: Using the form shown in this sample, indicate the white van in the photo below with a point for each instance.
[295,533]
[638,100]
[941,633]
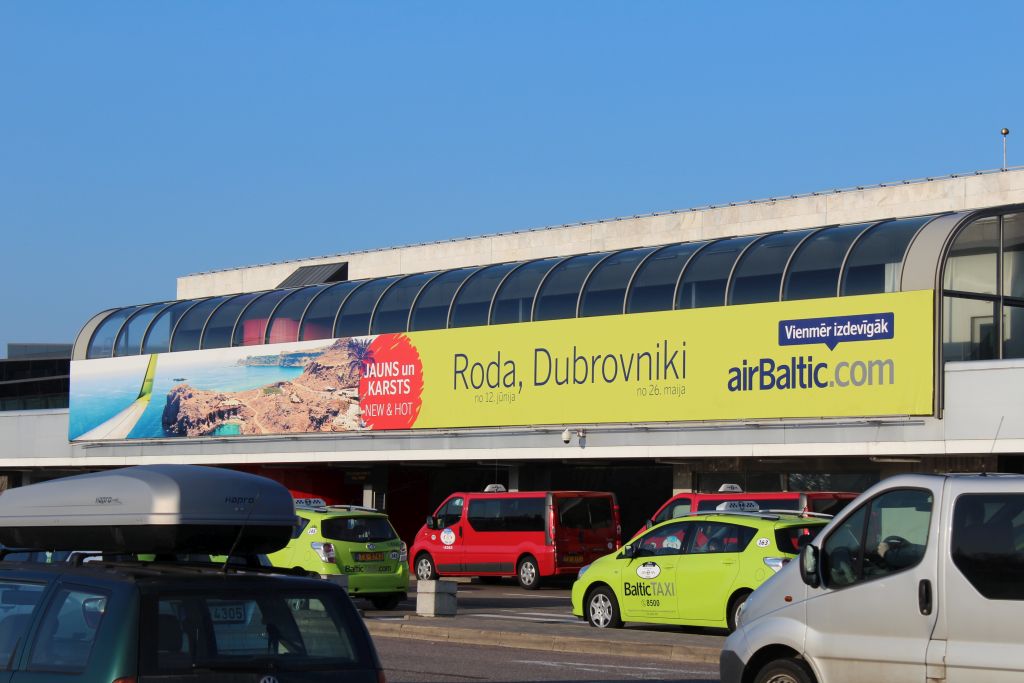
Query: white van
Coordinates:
[919,579]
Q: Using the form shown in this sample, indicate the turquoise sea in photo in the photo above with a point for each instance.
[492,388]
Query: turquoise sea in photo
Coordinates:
[96,400]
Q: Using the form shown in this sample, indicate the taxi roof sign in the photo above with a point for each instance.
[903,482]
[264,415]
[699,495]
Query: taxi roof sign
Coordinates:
[150,509]
[738,506]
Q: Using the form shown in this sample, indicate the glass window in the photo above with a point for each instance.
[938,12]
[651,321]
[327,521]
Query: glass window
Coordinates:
[392,314]
[968,329]
[431,309]
[65,636]
[1013,255]
[560,291]
[677,508]
[354,319]
[158,338]
[186,334]
[513,302]
[716,537]
[670,539]
[506,514]
[247,633]
[451,513]
[885,536]
[251,329]
[605,292]
[18,602]
[988,543]
[758,275]
[284,324]
[318,322]
[972,261]
[102,343]
[792,539]
[584,512]
[220,325]
[129,340]
[707,274]
[654,284]
[357,529]
[1013,331]
[876,260]
[814,270]
[473,302]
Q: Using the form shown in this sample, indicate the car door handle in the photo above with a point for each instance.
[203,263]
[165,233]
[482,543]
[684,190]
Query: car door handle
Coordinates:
[924,596]
[728,561]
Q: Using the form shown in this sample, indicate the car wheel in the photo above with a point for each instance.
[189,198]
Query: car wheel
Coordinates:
[425,569]
[733,613]
[785,671]
[528,573]
[602,609]
[385,601]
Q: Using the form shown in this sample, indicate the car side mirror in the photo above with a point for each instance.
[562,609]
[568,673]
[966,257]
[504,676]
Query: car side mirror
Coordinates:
[809,561]
[628,551]
[430,522]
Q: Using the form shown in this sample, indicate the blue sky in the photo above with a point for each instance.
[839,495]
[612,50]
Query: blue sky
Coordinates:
[140,141]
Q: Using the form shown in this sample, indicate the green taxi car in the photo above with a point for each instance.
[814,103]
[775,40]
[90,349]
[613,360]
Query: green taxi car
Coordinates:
[351,541]
[694,571]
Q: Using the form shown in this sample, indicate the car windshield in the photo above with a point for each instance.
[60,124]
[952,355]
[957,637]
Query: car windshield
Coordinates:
[257,630]
[357,529]
[792,539]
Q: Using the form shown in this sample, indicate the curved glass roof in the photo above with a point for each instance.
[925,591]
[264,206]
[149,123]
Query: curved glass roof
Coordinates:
[838,260]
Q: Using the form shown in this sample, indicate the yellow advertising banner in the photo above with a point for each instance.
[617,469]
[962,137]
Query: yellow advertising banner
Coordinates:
[840,357]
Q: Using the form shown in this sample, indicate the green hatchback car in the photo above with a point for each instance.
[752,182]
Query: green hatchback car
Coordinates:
[694,571]
[352,541]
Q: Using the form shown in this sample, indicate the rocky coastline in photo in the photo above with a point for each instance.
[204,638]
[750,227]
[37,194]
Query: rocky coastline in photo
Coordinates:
[324,398]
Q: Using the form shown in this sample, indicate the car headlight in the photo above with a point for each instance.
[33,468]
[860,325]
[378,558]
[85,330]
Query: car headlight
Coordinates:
[583,570]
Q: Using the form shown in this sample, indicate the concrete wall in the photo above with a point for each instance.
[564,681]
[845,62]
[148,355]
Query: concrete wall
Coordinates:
[824,208]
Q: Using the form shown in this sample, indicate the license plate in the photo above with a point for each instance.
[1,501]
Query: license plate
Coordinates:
[369,557]
[574,558]
[228,613]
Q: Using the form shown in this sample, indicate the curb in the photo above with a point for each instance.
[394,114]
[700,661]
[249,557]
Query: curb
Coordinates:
[532,641]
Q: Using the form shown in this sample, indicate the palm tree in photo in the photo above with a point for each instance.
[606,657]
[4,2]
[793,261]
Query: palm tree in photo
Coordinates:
[362,356]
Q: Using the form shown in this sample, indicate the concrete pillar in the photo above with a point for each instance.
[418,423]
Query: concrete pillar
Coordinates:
[682,479]
[436,598]
[513,478]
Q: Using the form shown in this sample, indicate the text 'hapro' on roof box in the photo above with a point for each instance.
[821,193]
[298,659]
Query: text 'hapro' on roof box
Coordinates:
[150,509]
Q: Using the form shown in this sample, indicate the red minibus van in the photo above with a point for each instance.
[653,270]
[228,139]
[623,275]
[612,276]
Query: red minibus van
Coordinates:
[526,534]
[732,498]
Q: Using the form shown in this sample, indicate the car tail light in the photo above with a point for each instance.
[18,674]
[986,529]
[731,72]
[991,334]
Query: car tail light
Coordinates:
[381,678]
[324,550]
[776,563]
[551,523]
[403,552]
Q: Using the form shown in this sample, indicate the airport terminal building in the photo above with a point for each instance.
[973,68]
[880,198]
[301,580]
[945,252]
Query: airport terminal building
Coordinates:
[814,341]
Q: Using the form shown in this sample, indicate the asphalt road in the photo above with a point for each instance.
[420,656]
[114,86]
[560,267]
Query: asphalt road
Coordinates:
[410,661]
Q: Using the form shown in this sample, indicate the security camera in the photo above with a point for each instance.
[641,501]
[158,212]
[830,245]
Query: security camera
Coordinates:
[566,435]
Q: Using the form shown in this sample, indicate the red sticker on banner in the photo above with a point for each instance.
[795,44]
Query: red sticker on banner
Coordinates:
[391,387]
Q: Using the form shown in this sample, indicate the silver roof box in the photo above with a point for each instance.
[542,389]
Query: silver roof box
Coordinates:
[150,509]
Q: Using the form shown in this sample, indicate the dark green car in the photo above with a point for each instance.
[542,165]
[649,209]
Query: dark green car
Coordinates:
[131,622]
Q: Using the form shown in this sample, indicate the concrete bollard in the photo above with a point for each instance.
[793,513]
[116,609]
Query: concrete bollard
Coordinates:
[435,598]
